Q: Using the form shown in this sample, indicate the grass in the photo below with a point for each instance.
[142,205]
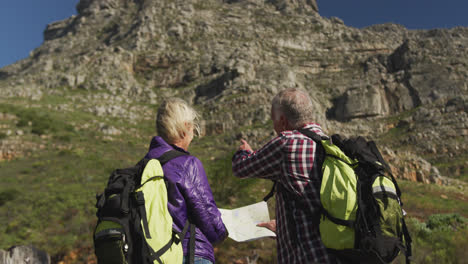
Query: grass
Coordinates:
[41,121]
[51,203]
[47,198]
[422,200]
[205,5]
[453,166]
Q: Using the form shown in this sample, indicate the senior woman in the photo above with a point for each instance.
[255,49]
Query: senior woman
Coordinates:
[189,193]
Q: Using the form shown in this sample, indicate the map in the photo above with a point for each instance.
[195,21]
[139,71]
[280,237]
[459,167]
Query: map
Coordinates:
[242,222]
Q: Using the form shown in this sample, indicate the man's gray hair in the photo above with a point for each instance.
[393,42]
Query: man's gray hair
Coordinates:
[295,104]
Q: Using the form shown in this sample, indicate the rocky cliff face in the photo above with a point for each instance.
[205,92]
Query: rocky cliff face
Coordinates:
[407,89]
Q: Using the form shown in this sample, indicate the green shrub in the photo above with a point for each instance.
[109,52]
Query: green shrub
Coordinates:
[8,195]
[419,229]
[446,222]
[441,239]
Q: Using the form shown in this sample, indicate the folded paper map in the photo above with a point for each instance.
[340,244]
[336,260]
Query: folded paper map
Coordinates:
[242,222]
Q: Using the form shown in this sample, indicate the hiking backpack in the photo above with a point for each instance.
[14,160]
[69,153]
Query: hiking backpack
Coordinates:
[134,225]
[362,219]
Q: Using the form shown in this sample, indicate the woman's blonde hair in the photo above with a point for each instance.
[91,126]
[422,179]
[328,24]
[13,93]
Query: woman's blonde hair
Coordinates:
[172,118]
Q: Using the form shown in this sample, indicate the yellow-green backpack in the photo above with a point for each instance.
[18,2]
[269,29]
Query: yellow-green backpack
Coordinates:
[134,225]
[363,221]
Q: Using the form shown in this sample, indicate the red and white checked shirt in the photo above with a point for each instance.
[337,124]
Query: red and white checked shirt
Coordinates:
[290,160]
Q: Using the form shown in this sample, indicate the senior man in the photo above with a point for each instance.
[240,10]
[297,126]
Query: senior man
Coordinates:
[292,161]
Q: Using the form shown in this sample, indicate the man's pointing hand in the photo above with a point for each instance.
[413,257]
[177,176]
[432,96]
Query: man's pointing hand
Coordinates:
[245,146]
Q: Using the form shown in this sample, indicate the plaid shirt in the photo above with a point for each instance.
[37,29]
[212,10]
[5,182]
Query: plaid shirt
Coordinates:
[290,160]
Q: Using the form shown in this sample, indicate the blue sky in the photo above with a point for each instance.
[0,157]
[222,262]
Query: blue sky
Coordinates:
[22,22]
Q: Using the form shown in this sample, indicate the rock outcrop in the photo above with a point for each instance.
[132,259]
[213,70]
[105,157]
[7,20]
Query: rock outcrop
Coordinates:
[301,6]
[24,254]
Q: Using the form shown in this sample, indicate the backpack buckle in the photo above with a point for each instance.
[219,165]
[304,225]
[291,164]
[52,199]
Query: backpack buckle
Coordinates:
[140,198]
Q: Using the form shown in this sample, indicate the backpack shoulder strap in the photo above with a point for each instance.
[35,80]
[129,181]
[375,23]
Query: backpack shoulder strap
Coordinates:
[311,134]
[318,139]
[163,159]
[169,155]
[315,137]
[192,244]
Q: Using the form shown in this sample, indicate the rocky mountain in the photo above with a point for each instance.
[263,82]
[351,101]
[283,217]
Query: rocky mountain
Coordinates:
[407,89]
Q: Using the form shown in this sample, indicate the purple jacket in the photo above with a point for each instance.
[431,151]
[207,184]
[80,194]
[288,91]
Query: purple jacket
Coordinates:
[189,195]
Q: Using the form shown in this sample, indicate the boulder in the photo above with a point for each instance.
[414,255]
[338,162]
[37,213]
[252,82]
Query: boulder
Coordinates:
[360,102]
[24,254]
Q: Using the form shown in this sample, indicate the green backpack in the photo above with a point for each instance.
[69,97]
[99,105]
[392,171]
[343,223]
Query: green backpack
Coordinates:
[363,221]
[134,225]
